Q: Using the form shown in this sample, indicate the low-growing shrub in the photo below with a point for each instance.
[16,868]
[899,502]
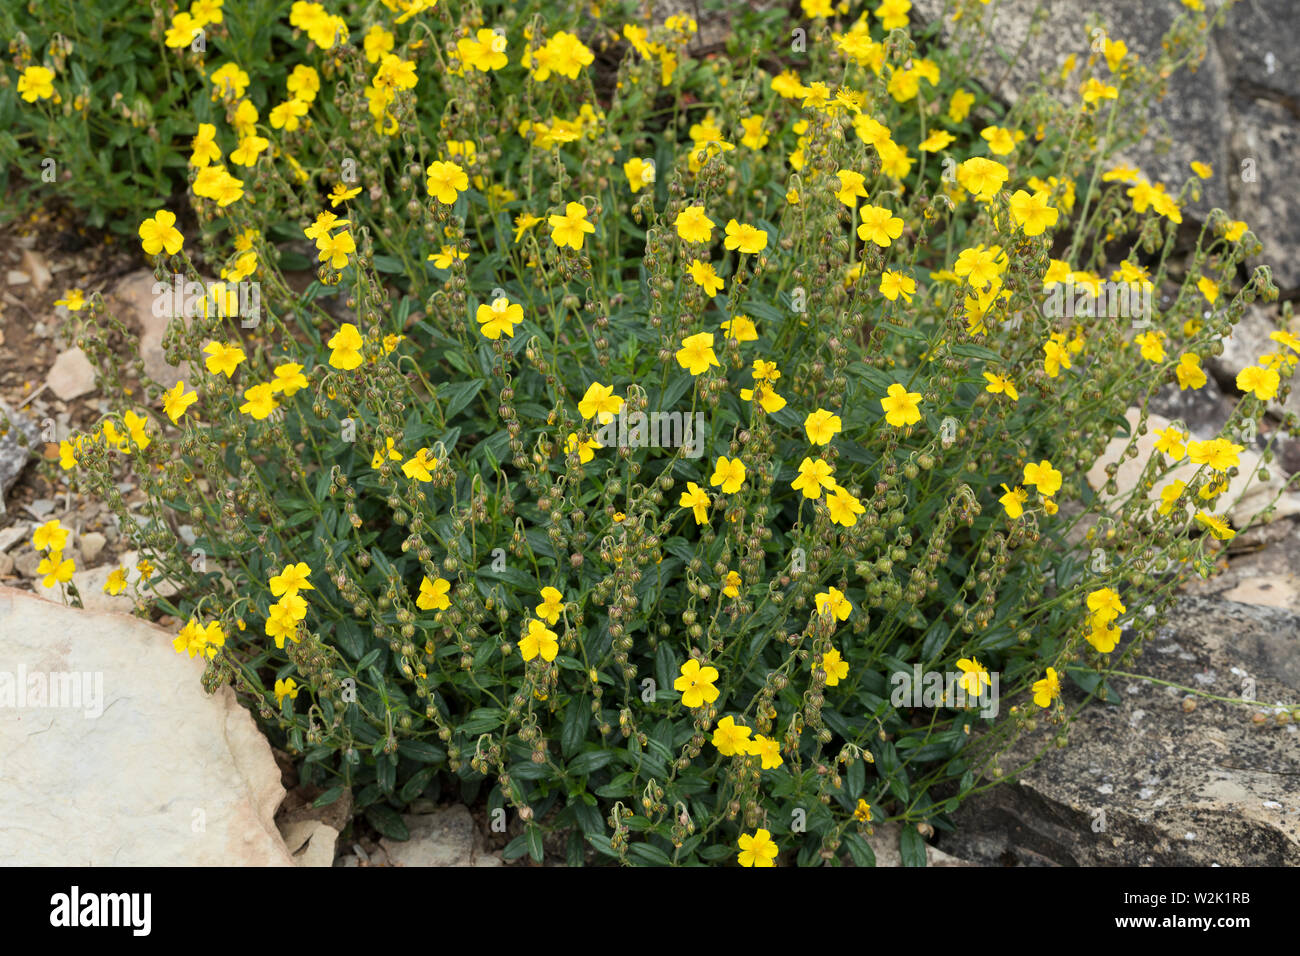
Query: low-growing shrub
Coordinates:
[647,413]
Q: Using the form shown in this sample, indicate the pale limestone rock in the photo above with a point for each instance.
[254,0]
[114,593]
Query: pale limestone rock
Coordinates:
[311,842]
[71,375]
[1246,494]
[164,775]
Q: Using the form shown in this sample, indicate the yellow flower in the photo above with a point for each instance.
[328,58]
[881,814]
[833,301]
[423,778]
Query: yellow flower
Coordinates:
[1169,441]
[260,401]
[960,104]
[500,317]
[843,507]
[1216,526]
[346,347]
[758,849]
[1204,170]
[879,225]
[1001,141]
[434,595]
[1014,501]
[539,640]
[731,585]
[696,684]
[585,449]
[741,328]
[287,687]
[570,229]
[420,466]
[696,354]
[705,276]
[116,582]
[697,499]
[445,181]
[177,400]
[974,676]
[1032,213]
[160,232]
[1047,689]
[821,426]
[1219,453]
[1000,384]
[1189,371]
[835,667]
[850,190]
[37,83]
[1169,496]
[292,579]
[731,738]
[377,460]
[222,358]
[729,474]
[982,177]
[56,569]
[693,225]
[1261,382]
[1209,288]
[833,604]
[551,606]
[901,407]
[51,536]
[135,427]
[895,284]
[600,402]
[814,475]
[1094,90]
[1043,476]
[767,750]
[289,379]
[640,173]
[862,812]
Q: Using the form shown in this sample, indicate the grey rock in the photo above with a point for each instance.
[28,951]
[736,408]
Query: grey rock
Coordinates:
[26,562]
[17,444]
[1203,410]
[1261,55]
[1267,134]
[446,837]
[1140,775]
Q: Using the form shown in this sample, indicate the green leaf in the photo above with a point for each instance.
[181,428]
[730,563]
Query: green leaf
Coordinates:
[419,782]
[422,752]
[590,761]
[647,854]
[328,797]
[386,820]
[860,850]
[911,845]
[534,835]
[576,721]
[457,396]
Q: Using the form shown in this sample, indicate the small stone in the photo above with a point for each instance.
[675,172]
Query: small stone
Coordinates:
[6,565]
[27,562]
[71,376]
[91,544]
